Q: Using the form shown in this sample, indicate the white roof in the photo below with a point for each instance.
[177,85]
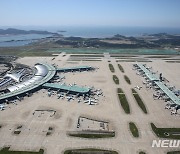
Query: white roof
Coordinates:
[41,70]
[40,73]
[13,88]
[13,76]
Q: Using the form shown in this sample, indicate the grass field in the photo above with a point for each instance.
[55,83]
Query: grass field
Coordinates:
[171,133]
[94,136]
[133,129]
[17,132]
[35,54]
[6,151]
[115,79]
[89,150]
[139,101]
[88,55]
[121,68]
[134,91]
[25,52]
[119,91]
[111,67]
[127,79]
[173,152]
[124,103]
[141,152]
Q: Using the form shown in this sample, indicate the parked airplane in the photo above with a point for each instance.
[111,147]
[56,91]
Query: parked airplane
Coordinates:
[149,68]
[77,95]
[168,106]
[91,101]
[18,98]
[177,92]
[70,98]
[166,98]
[162,93]
[173,106]
[171,88]
[58,91]
[156,88]
[2,107]
[175,109]
[144,82]
[79,100]
[173,112]
[61,95]
[67,93]
[96,99]
[137,87]
[99,93]
[61,78]
[28,95]
[50,93]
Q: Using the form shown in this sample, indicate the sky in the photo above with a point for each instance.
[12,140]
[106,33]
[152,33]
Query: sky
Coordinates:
[146,13]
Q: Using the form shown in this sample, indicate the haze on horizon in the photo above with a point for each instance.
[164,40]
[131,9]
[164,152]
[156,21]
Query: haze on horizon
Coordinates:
[146,13]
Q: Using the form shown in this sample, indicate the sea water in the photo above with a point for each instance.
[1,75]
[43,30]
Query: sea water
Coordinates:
[19,40]
[92,32]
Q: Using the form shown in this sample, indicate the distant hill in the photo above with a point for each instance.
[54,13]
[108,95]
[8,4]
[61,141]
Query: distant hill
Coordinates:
[12,31]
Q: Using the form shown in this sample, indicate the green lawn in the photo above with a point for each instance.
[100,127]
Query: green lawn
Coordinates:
[173,133]
[94,136]
[36,54]
[141,152]
[6,151]
[133,129]
[134,91]
[48,133]
[173,152]
[115,79]
[17,132]
[124,103]
[18,127]
[121,68]
[89,150]
[127,79]
[119,90]
[111,67]
[139,101]
[25,52]
[50,128]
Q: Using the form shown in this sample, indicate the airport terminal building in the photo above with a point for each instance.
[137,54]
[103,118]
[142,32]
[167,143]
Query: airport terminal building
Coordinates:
[43,73]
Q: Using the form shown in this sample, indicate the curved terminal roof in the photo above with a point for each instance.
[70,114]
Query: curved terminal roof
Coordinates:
[25,84]
[15,76]
[41,70]
[43,74]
